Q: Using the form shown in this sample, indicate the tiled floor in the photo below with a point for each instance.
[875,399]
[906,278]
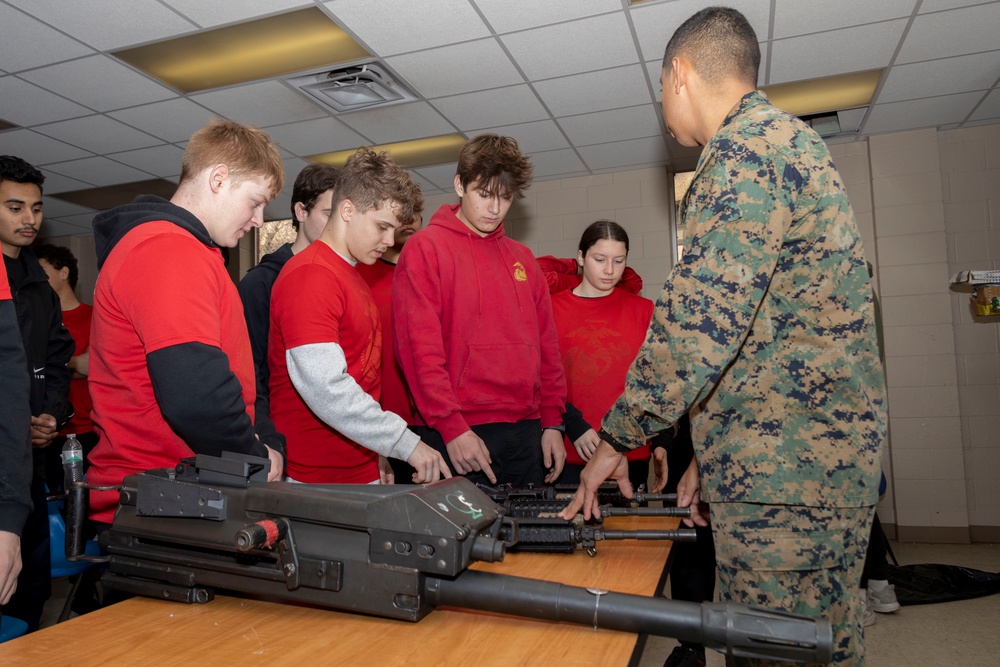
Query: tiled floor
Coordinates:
[965,633]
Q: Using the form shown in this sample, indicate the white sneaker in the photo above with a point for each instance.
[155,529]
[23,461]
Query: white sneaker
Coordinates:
[867,615]
[882,599]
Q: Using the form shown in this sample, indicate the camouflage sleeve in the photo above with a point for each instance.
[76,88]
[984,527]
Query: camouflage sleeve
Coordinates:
[736,219]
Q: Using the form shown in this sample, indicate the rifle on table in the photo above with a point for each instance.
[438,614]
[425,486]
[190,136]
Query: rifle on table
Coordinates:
[391,551]
[538,527]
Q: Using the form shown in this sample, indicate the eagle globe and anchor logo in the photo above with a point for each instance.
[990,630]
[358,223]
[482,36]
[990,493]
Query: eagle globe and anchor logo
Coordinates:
[458,502]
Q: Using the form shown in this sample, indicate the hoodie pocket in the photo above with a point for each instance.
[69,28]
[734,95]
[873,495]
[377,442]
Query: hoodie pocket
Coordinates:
[500,374]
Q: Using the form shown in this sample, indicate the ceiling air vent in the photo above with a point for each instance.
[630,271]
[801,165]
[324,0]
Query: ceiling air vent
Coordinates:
[353,88]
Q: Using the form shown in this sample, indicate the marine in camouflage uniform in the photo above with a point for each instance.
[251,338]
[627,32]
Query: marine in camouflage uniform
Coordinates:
[766,329]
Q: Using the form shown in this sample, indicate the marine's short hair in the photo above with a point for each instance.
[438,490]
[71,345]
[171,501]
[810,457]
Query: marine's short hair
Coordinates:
[59,257]
[247,151]
[311,182]
[371,179]
[498,165]
[720,44]
[13,168]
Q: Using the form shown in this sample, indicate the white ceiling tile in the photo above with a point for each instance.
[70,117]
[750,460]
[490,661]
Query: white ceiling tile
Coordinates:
[401,122]
[37,148]
[172,120]
[977,123]
[928,112]
[989,108]
[655,24]
[56,208]
[261,103]
[850,120]
[951,33]
[109,24]
[279,208]
[491,108]
[98,134]
[22,36]
[569,48]
[441,175]
[615,125]
[554,163]
[322,135]
[793,17]
[509,15]
[835,52]
[625,153]
[292,168]
[81,223]
[208,14]
[433,73]
[928,6]
[390,27]
[56,183]
[542,135]
[596,91]
[941,77]
[159,160]
[99,82]
[99,171]
[26,104]
[55,228]
[422,182]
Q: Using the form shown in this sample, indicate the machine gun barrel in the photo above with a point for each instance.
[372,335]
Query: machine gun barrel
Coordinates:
[739,631]
[395,552]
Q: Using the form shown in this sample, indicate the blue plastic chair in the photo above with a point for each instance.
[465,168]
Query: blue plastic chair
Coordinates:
[11,628]
[61,567]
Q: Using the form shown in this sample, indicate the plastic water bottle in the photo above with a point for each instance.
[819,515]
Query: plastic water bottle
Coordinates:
[72,460]
[76,496]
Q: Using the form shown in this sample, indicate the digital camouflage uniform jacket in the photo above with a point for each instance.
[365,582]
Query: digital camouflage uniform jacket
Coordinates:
[765,327]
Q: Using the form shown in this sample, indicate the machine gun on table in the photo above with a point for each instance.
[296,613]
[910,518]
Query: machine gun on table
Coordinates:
[538,527]
[391,551]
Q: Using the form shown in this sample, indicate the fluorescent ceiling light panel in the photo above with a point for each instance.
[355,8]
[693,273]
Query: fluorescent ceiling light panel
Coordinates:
[407,154]
[832,93]
[262,49]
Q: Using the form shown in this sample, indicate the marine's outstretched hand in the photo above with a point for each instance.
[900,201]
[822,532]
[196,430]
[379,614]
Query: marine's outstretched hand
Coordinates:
[605,464]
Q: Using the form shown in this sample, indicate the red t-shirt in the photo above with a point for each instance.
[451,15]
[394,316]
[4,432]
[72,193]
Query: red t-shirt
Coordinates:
[159,287]
[396,395]
[598,340]
[320,298]
[77,320]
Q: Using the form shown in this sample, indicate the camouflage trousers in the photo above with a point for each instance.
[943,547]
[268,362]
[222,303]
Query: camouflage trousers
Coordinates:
[805,560]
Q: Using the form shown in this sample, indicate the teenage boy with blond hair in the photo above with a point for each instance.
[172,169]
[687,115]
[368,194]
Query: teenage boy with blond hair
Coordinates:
[325,342]
[171,371]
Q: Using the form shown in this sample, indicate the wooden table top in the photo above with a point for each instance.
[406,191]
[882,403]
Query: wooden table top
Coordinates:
[143,631]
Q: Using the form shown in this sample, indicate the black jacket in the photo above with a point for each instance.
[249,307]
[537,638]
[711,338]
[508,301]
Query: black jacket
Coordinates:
[197,392]
[47,343]
[255,292]
[15,448]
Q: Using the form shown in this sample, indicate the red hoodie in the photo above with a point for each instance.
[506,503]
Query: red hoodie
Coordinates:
[562,274]
[473,329]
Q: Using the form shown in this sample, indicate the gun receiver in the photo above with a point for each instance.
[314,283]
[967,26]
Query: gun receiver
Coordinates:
[534,524]
[395,552]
